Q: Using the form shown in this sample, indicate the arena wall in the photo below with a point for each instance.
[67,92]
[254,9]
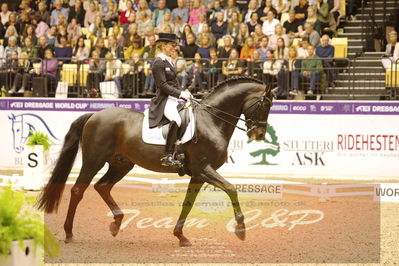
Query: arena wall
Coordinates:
[340,139]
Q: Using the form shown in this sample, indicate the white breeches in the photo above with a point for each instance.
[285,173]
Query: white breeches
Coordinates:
[171,112]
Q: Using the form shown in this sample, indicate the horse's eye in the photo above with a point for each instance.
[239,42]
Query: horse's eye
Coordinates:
[17,130]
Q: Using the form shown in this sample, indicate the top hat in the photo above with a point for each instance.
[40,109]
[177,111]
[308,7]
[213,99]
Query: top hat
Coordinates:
[167,37]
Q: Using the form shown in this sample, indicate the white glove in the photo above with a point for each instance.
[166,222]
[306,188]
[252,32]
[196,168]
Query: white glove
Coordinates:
[186,95]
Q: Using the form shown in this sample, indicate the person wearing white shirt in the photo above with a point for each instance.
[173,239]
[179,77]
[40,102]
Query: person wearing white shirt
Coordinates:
[114,71]
[269,24]
[5,13]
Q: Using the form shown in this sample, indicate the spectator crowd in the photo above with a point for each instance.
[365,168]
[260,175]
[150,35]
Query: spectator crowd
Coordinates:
[218,39]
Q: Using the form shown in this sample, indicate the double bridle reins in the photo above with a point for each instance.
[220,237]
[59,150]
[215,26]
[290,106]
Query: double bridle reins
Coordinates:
[249,122]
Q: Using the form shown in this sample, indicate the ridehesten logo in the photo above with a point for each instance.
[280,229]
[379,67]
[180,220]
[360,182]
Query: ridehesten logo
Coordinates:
[367,142]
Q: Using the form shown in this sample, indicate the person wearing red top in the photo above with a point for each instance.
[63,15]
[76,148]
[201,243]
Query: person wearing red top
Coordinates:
[124,16]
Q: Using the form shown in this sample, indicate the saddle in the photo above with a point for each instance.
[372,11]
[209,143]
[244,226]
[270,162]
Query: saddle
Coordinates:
[158,135]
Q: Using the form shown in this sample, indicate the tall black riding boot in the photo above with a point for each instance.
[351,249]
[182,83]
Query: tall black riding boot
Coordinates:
[168,159]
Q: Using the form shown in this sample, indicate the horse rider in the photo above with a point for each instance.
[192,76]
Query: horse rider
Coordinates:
[163,107]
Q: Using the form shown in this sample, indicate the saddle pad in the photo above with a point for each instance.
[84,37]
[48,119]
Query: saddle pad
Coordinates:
[155,135]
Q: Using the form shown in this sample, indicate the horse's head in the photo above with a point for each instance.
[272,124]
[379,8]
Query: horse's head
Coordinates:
[17,132]
[256,111]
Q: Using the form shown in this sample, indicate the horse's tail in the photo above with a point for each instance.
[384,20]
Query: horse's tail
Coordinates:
[51,195]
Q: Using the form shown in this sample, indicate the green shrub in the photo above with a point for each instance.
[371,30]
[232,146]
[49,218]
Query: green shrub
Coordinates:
[18,225]
[39,138]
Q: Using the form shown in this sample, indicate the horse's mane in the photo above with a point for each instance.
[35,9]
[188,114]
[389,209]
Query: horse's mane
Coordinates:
[232,79]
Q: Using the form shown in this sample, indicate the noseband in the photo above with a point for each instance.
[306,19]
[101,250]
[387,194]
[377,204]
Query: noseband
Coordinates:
[250,123]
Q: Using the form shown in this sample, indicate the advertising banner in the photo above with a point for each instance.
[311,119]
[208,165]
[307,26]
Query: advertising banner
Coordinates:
[303,138]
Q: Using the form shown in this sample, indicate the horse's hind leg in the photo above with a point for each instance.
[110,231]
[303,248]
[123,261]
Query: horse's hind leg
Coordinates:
[116,171]
[88,171]
[192,191]
[214,178]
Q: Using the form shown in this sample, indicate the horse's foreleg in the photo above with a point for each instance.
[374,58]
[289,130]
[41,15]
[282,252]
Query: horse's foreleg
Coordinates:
[114,174]
[192,191]
[214,178]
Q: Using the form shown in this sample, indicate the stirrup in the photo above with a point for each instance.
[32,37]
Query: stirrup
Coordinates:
[169,160]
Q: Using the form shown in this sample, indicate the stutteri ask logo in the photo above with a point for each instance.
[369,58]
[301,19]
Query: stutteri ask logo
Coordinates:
[271,147]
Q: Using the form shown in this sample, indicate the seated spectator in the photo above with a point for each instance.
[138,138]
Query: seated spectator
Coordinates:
[110,17]
[159,12]
[57,11]
[99,46]
[181,68]
[217,7]
[264,47]
[149,78]
[132,35]
[313,19]
[144,25]
[255,66]
[325,50]
[215,67]
[178,26]
[190,49]
[272,73]
[264,10]
[234,66]
[252,8]
[194,13]
[269,24]
[74,31]
[311,68]
[10,32]
[225,50]
[136,47]
[29,32]
[43,46]
[51,35]
[230,9]
[292,26]
[122,5]
[61,33]
[206,30]
[202,22]
[62,21]
[150,48]
[248,49]
[114,71]
[117,50]
[24,21]
[303,49]
[11,47]
[180,11]
[277,35]
[258,35]
[41,29]
[253,22]
[97,28]
[42,14]
[63,51]
[49,66]
[29,50]
[219,26]
[77,12]
[12,68]
[205,47]
[312,35]
[391,51]
[97,68]
[281,7]
[281,49]
[90,15]
[166,21]
[301,11]
[186,31]
[23,74]
[116,32]
[294,65]
[242,36]
[134,76]
[80,51]
[5,13]
[195,74]
[124,18]
[13,21]
[323,14]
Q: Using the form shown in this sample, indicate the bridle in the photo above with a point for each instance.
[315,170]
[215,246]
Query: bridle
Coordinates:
[251,123]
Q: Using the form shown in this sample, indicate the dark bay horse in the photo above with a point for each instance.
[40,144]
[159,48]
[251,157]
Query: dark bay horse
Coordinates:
[114,136]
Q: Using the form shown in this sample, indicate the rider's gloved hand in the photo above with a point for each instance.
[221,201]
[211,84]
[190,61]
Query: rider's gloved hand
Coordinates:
[186,95]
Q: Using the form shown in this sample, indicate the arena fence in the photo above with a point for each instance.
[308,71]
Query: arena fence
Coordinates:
[133,78]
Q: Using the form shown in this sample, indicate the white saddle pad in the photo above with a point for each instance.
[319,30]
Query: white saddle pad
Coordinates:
[155,136]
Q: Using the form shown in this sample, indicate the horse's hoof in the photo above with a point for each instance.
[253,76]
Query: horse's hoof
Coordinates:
[69,239]
[185,243]
[114,228]
[240,231]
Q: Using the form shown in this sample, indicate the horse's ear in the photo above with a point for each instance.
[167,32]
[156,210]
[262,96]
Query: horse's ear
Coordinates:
[11,117]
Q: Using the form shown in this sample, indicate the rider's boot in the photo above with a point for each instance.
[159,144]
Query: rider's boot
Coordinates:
[168,159]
